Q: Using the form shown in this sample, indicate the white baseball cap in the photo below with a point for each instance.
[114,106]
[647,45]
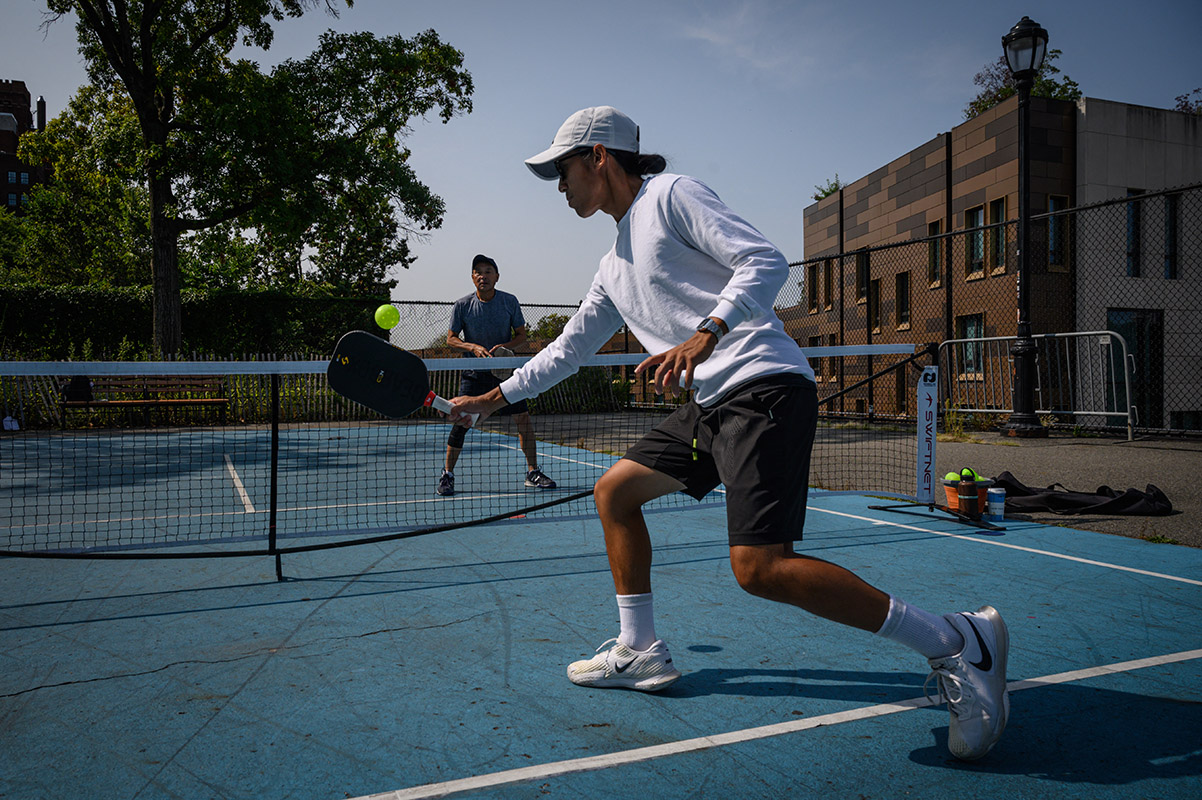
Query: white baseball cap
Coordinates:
[589,126]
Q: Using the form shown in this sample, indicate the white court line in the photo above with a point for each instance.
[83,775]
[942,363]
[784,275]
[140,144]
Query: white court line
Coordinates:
[996,543]
[719,489]
[544,771]
[559,458]
[229,467]
[961,536]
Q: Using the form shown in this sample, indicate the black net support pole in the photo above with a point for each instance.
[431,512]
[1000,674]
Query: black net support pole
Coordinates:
[275,469]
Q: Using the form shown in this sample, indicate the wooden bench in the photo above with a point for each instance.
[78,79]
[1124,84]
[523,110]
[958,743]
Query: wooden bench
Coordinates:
[147,392]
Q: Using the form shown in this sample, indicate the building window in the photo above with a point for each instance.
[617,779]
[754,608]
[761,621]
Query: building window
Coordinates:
[901,297]
[812,288]
[1134,223]
[816,361]
[1057,233]
[997,235]
[12,198]
[874,306]
[974,245]
[1171,210]
[24,178]
[861,276]
[831,341]
[934,253]
[970,326]
[12,176]
[828,283]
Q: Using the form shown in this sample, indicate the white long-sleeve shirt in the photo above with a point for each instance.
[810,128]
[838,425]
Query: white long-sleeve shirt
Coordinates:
[681,255]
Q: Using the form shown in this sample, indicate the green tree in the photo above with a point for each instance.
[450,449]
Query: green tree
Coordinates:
[830,188]
[1187,103]
[11,239]
[997,83]
[549,327]
[308,155]
[89,223]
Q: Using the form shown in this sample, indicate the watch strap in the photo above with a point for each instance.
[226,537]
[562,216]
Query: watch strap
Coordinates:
[707,325]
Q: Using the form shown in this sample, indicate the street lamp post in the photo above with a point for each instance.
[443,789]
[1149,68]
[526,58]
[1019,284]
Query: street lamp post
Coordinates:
[1025,46]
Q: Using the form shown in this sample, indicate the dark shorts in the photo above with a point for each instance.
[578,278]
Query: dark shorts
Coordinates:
[756,441]
[476,382]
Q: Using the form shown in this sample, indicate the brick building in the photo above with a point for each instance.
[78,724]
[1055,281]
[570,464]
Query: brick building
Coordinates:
[17,177]
[961,180]
[924,248]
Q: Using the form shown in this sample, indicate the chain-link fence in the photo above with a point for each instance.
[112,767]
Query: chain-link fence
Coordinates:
[1132,266]
[424,325]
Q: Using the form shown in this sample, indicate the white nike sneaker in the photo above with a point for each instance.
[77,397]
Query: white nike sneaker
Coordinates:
[974,683]
[620,667]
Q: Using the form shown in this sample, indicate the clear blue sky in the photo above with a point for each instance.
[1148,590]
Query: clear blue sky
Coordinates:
[760,100]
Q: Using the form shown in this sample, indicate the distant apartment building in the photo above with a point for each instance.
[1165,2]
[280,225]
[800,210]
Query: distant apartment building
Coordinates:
[16,177]
[954,199]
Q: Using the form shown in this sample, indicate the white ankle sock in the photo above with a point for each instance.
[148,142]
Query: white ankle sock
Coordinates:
[931,635]
[637,621]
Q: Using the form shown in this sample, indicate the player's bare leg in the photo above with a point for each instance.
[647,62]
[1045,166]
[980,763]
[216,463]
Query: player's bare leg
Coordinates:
[620,495]
[635,659]
[775,572]
[446,481]
[526,440]
[535,477]
[452,458]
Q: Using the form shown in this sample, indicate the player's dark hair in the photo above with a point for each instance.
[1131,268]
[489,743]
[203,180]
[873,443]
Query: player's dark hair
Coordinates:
[639,164]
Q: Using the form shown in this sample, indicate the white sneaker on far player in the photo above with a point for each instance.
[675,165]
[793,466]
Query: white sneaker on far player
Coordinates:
[622,668]
[974,683]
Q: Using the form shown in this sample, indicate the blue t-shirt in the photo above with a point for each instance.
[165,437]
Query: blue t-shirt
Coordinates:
[486,324]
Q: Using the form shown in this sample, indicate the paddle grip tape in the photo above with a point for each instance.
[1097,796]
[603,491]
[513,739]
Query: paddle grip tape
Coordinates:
[439,404]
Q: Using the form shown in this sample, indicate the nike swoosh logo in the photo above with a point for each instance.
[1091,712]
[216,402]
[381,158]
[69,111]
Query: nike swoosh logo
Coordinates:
[622,667]
[986,662]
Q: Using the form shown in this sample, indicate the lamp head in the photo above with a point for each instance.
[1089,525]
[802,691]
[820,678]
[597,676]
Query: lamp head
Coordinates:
[1025,45]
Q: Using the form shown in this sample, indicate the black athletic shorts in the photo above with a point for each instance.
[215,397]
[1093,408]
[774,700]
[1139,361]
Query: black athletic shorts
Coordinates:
[755,440]
[475,382]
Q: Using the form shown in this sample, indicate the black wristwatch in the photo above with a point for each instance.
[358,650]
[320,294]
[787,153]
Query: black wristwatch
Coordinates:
[707,325]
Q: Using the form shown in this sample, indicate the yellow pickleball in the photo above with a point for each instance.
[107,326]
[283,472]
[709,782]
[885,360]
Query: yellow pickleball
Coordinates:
[387,316]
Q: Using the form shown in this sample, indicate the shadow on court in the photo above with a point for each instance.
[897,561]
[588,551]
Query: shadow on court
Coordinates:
[862,687]
[1081,735]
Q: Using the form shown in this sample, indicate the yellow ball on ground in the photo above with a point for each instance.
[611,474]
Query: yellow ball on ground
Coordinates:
[952,476]
[387,316]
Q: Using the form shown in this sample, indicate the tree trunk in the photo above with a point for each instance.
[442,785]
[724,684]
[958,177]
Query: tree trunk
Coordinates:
[164,264]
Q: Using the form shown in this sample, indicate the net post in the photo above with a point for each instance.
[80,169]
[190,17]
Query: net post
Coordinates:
[927,408]
[275,464]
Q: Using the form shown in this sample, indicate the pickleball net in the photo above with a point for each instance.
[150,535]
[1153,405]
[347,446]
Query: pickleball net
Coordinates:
[199,458]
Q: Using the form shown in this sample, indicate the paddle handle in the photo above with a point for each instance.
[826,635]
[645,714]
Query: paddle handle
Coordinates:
[444,406]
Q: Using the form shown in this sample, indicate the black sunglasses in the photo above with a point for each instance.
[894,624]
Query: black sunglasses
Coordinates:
[559,162]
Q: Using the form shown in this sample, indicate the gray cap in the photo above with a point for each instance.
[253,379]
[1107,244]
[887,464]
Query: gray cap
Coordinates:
[598,125]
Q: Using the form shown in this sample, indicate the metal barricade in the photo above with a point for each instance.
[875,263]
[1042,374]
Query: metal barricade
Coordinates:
[1083,379]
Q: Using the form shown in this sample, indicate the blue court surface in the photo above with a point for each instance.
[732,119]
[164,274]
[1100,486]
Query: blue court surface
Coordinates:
[169,489]
[434,667]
